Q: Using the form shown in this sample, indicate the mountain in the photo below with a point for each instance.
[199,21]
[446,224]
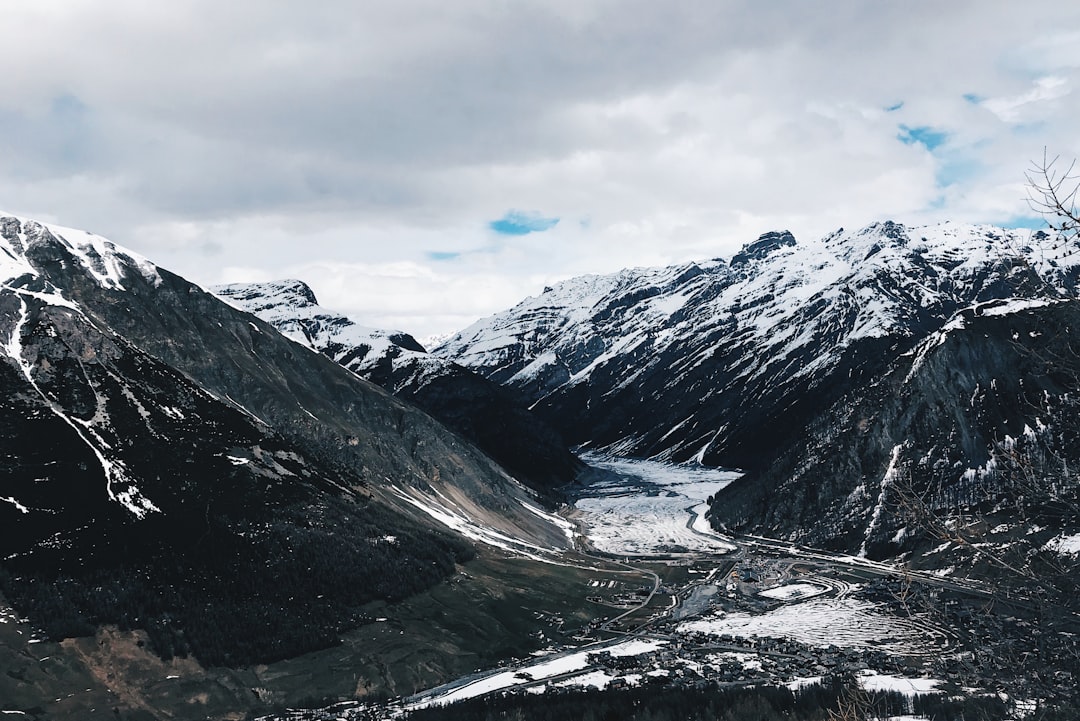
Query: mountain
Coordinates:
[721,362]
[173,464]
[483,412]
[979,420]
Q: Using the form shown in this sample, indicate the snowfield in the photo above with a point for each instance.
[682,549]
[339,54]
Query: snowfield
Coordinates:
[821,622]
[1065,544]
[651,507]
[540,670]
[794,591]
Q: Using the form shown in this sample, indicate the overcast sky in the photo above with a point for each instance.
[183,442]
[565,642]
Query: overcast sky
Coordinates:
[422,164]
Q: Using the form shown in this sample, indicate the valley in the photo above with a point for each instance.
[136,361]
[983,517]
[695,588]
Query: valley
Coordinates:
[229,506]
[697,609]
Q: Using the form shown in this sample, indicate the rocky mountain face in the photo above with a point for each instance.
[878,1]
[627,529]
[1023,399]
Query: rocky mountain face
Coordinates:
[789,362]
[721,362]
[980,418]
[173,464]
[485,413]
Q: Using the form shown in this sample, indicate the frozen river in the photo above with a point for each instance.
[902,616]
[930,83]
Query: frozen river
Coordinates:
[646,507]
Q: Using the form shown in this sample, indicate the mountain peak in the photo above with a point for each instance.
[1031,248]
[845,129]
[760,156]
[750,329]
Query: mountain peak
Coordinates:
[26,244]
[765,244]
[267,294]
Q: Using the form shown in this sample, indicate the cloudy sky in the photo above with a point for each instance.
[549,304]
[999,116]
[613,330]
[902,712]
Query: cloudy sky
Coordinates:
[424,163]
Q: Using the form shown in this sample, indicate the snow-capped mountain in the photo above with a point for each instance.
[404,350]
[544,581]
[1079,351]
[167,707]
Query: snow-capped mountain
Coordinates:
[480,410]
[291,307]
[979,420]
[723,361]
[177,465]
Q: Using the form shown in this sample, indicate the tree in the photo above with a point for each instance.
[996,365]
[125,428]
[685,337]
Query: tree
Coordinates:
[1052,193]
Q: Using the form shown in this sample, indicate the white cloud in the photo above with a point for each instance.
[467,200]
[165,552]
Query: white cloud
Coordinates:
[1017,108]
[347,143]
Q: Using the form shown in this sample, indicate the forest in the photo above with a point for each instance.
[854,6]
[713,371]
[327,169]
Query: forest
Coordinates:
[241,590]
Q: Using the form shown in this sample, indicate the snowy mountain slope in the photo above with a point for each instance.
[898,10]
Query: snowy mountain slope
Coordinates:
[171,463]
[475,407]
[291,307]
[721,362]
[981,418]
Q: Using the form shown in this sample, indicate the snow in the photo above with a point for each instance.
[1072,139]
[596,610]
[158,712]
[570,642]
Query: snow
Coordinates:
[506,679]
[652,508]
[823,622]
[636,647]
[803,681]
[1015,305]
[459,521]
[119,485]
[20,507]
[287,305]
[792,314]
[1065,544]
[886,481]
[594,679]
[541,670]
[566,526]
[108,265]
[106,262]
[793,591]
[874,681]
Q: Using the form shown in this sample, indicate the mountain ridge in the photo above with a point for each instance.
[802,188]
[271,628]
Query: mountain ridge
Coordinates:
[480,410]
[642,361]
[165,454]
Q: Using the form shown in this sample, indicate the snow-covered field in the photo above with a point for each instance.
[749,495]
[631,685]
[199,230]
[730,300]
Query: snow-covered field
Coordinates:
[542,669]
[651,507]
[794,591]
[874,681]
[845,622]
[1065,544]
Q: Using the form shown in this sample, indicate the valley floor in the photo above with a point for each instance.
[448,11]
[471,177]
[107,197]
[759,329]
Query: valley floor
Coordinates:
[651,597]
[698,609]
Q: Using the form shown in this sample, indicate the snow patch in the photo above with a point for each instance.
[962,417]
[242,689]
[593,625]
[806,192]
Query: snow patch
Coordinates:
[821,622]
[793,591]
[886,481]
[874,681]
[20,507]
[1065,544]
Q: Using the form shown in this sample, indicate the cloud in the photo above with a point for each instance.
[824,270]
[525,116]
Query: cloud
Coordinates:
[517,222]
[1017,108]
[282,137]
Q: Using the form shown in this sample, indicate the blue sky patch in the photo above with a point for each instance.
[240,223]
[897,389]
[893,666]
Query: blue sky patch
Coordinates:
[894,107]
[518,222]
[442,255]
[924,135]
[973,98]
[1029,222]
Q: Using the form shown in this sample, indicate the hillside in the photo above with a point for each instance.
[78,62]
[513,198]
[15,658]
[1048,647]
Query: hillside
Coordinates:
[175,465]
[485,413]
[722,361]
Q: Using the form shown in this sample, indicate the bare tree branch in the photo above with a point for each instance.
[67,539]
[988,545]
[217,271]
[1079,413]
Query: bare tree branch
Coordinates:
[1052,193]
